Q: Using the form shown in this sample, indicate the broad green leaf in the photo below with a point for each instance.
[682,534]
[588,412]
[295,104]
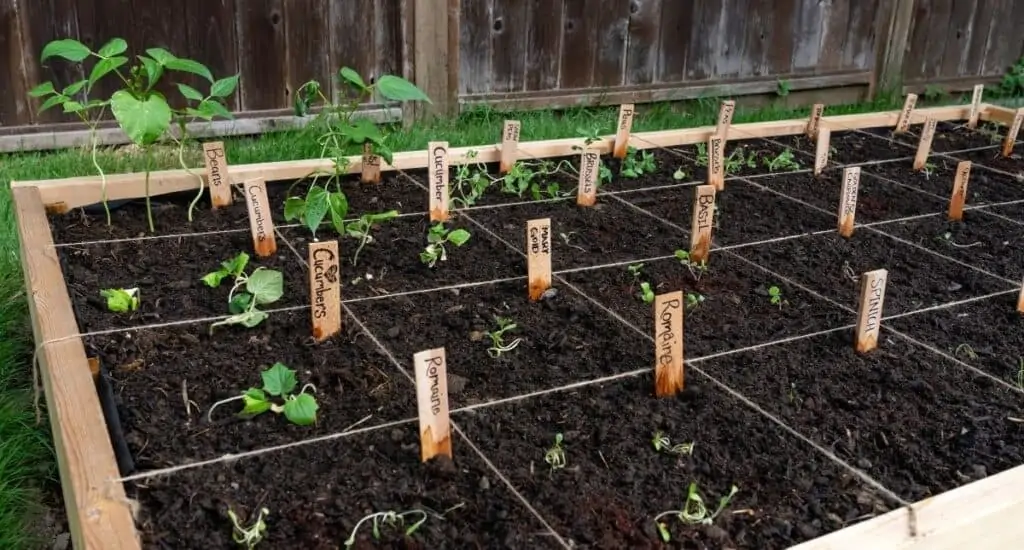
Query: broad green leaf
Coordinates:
[161,55]
[68,48]
[352,77]
[121,300]
[397,88]
[265,285]
[46,88]
[52,102]
[214,108]
[240,303]
[279,380]
[256,402]
[154,70]
[71,106]
[235,266]
[301,409]
[105,67]
[224,87]
[74,87]
[385,153]
[294,208]
[189,92]
[116,46]
[252,318]
[144,121]
[363,130]
[213,279]
[189,66]
[317,205]
[458,237]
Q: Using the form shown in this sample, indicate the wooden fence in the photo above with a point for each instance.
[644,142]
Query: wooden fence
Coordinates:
[526,53]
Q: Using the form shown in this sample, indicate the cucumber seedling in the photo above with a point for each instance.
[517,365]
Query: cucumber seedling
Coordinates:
[263,286]
[278,381]
[694,511]
[248,537]
[121,300]
[437,236]
[497,336]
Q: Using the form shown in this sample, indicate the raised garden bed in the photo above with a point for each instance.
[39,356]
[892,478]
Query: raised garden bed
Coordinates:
[918,443]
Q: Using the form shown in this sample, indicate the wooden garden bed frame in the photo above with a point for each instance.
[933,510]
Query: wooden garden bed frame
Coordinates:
[985,514]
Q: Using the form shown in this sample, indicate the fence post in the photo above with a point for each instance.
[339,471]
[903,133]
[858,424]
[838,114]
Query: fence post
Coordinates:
[435,56]
[892,47]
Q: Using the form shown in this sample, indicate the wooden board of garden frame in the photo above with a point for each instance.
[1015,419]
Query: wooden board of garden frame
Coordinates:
[982,513]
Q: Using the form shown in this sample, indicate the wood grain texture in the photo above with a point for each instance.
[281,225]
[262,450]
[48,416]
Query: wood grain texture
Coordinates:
[642,41]
[475,46]
[307,38]
[14,104]
[261,61]
[42,22]
[612,31]
[674,39]
[543,44]
[579,35]
[98,512]
[508,26]
[212,39]
[350,29]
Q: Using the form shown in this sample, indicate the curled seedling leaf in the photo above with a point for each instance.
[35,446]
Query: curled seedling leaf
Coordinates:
[663,444]
[248,537]
[437,237]
[694,511]
[555,455]
[498,345]
[389,518]
[121,300]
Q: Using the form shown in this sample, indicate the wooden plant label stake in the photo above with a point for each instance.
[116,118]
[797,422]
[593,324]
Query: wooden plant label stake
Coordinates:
[716,162]
[959,196]
[622,134]
[371,165]
[815,121]
[325,289]
[972,120]
[590,162]
[903,122]
[848,200]
[538,256]
[869,322]
[432,402]
[668,344]
[217,176]
[1011,134]
[703,217]
[924,146]
[262,226]
[509,145]
[725,113]
[822,148]
[438,163]
[1020,300]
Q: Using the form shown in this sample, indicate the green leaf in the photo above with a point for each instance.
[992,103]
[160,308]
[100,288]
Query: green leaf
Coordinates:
[214,108]
[224,87]
[247,319]
[189,66]
[381,216]
[154,70]
[71,106]
[121,300]
[189,92]
[279,380]
[235,266]
[256,402]
[143,120]
[68,48]
[213,280]
[352,78]
[294,208]
[161,55]
[397,88]
[301,409]
[317,205]
[385,153]
[105,67]
[265,285]
[116,46]
[74,87]
[46,88]
[240,303]
[458,237]
[52,102]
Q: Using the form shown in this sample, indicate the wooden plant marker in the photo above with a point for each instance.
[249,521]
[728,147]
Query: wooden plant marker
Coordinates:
[924,146]
[371,165]
[538,256]
[815,121]
[509,145]
[217,176]
[703,218]
[903,122]
[972,120]
[325,289]
[668,344]
[438,165]
[869,321]
[626,112]
[590,161]
[959,196]
[263,240]
[821,149]
[848,200]
[725,113]
[432,402]
[1011,134]
[1020,300]
[716,162]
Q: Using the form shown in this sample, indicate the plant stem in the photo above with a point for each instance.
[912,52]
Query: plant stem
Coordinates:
[181,161]
[149,205]
[103,176]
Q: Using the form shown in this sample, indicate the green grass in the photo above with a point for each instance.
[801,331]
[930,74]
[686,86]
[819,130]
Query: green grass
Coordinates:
[26,460]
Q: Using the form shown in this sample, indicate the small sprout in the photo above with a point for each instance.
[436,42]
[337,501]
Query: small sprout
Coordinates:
[248,537]
[784,161]
[278,381]
[263,286]
[694,299]
[646,294]
[498,345]
[121,300]
[967,350]
[775,296]
[388,519]
[662,444]
[679,174]
[634,167]
[362,227]
[635,270]
[694,511]
[697,269]
[555,456]
[436,239]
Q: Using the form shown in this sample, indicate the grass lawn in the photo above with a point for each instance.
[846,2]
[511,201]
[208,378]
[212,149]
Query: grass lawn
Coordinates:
[27,469]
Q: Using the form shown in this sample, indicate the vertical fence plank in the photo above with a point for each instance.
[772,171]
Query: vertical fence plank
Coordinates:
[674,39]
[212,39]
[350,33]
[895,26]
[508,56]
[704,44]
[100,21]
[306,33]
[165,25]
[261,59]
[938,29]
[833,39]
[388,54]
[808,34]
[917,54]
[475,46]
[543,44]
[1003,49]
[612,22]
[578,45]
[981,35]
[777,43]
[958,38]
[859,45]
[436,46]
[643,42]
[14,106]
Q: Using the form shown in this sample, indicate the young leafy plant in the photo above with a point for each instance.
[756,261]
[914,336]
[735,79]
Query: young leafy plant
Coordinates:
[775,296]
[436,239]
[121,300]
[555,456]
[697,269]
[263,286]
[278,381]
[646,293]
[663,444]
[637,163]
[694,511]
[362,227]
[784,161]
[248,537]
[497,336]
[694,299]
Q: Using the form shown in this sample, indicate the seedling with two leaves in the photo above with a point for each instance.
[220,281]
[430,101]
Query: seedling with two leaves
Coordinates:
[436,239]
[361,228]
[775,296]
[395,519]
[121,300]
[663,444]
[263,286]
[278,381]
[697,269]
[248,537]
[694,511]
[646,292]
[555,456]
[498,345]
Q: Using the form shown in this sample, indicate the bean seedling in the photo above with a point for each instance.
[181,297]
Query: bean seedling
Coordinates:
[263,286]
[555,456]
[361,228]
[694,511]
[388,519]
[278,381]
[121,300]
[436,239]
[663,444]
[498,345]
[248,537]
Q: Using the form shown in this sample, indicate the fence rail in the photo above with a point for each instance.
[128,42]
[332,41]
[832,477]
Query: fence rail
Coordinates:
[525,53]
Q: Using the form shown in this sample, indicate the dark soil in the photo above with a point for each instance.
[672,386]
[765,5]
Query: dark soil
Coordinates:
[949,136]
[750,157]
[916,422]
[825,263]
[983,186]
[731,298]
[993,158]
[316,494]
[849,147]
[667,163]
[615,483]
